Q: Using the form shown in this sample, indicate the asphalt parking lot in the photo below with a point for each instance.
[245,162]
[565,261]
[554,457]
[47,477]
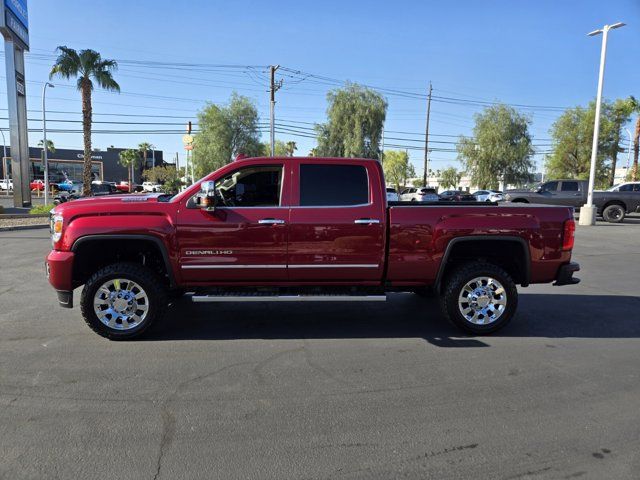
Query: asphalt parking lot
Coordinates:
[275,391]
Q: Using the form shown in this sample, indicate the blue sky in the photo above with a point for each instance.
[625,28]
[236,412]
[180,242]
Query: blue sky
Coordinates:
[522,52]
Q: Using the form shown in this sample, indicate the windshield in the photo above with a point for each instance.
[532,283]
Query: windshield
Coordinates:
[614,188]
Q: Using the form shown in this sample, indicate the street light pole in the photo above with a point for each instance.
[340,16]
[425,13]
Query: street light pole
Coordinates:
[588,211]
[4,161]
[44,143]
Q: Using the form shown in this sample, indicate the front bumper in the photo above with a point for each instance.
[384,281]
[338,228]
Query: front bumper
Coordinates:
[59,270]
[565,274]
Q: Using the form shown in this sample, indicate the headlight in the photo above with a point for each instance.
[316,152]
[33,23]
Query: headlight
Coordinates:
[56,227]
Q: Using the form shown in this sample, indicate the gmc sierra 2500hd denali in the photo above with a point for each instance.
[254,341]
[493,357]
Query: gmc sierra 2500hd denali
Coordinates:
[300,229]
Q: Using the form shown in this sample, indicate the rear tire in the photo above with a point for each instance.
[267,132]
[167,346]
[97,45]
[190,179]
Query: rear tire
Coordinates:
[479,298]
[121,301]
[613,213]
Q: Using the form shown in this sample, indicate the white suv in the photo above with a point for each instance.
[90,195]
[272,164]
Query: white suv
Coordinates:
[625,187]
[419,194]
[6,184]
[392,195]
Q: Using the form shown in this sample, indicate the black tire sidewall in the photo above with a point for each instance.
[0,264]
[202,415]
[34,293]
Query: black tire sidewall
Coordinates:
[610,208]
[137,273]
[456,282]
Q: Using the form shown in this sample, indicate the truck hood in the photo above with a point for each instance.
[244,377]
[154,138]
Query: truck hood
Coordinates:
[111,204]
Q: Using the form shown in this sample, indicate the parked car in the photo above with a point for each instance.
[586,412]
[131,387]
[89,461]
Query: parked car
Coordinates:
[392,195]
[97,189]
[419,194]
[456,196]
[612,205]
[6,184]
[255,231]
[124,187]
[70,186]
[625,187]
[36,185]
[488,196]
[151,187]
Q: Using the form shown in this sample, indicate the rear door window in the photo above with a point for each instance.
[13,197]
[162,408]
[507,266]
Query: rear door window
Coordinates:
[570,186]
[550,187]
[333,185]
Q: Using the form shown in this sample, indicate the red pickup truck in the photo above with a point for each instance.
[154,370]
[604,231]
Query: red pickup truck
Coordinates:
[300,229]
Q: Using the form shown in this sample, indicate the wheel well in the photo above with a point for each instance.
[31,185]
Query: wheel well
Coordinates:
[614,202]
[93,254]
[509,255]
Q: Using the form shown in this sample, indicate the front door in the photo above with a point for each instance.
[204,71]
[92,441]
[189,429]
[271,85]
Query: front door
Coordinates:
[337,223]
[245,237]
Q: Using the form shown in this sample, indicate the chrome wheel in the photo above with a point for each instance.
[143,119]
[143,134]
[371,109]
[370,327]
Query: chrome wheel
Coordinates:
[482,300]
[121,304]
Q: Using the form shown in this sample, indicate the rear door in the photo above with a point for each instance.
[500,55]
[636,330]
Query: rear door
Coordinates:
[569,193]
[547,193]
[337,222]
[245,238]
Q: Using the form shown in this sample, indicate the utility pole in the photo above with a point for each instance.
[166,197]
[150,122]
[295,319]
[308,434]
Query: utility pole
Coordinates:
[425,175]
[275,86]
[382,147]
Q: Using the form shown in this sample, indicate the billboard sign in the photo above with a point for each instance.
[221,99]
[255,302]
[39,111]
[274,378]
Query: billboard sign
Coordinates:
[19,9]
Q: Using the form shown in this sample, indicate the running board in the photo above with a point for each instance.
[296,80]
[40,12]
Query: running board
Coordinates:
[288,298]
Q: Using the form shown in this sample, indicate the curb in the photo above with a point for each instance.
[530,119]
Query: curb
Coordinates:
[23,215]
[23,227]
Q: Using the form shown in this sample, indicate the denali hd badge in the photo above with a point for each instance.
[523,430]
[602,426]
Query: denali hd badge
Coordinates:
[208,252]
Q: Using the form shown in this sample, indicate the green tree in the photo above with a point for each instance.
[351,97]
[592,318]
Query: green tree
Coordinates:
[89,67]
[397,168]
[572,138]
[143,148]
[633,175]
[129,159]
[226,132]
[500,148]
[51,148]
[621,111]
[450,178]
[354,126]
[167,175]
[279,150]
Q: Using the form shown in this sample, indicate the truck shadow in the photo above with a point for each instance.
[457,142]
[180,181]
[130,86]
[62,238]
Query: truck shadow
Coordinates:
[402,316]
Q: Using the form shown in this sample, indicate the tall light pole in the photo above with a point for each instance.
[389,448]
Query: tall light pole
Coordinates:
[44,143]
[274,87]
[588,211]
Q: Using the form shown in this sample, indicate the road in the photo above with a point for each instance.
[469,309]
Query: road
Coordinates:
[278,391]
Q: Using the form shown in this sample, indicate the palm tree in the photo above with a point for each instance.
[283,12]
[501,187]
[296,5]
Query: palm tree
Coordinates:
[290,148]
[143,148]
[51,148]
[89,67]
[128,159]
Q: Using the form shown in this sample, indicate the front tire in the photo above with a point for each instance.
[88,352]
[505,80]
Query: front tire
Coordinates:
[121,301]
[613,213]
[479,298]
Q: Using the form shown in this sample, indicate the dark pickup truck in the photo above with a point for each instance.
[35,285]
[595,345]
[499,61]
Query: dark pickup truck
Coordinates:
[300,229]
[613,206]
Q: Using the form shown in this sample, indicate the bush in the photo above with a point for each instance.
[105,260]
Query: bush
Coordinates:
[41,209]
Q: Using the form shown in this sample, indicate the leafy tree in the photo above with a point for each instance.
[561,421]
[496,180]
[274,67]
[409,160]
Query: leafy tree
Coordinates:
[167,175]
[620,113]
[280,149]
[226,132]
[354,127]
[397,168]
[500,148]
[633,175]
[572,136]
[450,178]
[89,67]
[129,159]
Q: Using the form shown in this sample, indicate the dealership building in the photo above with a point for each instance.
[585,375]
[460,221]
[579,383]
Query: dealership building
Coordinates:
[67,164]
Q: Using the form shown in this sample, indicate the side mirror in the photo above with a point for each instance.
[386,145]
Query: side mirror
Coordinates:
[208,196]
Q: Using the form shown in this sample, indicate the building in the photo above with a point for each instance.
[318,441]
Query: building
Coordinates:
[67,164]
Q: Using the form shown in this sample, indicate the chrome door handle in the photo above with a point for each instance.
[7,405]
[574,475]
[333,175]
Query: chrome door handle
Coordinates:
[270,221]
[366,221]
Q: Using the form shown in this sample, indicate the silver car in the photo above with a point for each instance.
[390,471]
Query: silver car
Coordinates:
[489,196]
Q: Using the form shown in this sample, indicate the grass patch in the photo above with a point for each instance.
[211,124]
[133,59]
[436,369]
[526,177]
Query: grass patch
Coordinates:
[41,209]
